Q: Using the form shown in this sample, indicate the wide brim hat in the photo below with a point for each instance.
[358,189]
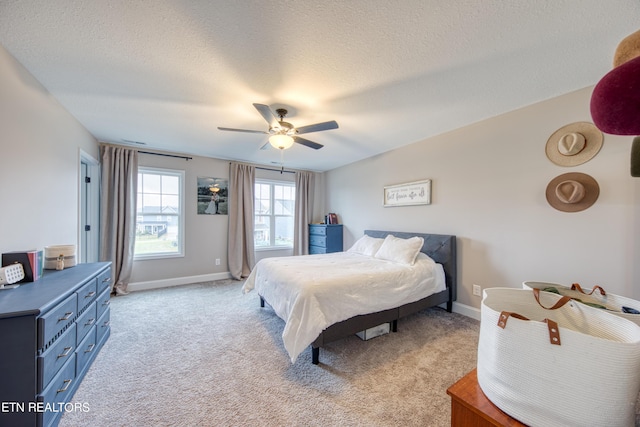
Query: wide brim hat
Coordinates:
[572,192]
[574,144]
[615,100]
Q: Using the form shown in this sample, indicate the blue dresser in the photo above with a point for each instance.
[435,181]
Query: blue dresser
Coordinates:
[50,333]
[325,238]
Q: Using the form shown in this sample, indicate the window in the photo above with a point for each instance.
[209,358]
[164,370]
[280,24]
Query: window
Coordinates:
[274,209]
[159,219]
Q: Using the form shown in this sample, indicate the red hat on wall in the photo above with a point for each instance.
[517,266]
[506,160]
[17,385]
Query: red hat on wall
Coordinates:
[615,101]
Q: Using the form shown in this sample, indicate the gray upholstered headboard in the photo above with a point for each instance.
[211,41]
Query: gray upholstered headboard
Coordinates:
[440,247]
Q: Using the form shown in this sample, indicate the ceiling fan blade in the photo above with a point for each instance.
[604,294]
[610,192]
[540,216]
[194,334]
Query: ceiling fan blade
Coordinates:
[307,143]
[318,127]
[242,130]
[265,111]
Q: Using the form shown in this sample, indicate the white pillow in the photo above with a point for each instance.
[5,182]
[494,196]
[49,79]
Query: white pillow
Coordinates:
[399,250]
[366,245]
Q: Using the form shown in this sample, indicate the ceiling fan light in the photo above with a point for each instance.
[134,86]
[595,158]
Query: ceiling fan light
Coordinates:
[281,141]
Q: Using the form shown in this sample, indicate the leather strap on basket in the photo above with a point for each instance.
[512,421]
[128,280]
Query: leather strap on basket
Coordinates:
[577,287]
[562,301]
[552,326]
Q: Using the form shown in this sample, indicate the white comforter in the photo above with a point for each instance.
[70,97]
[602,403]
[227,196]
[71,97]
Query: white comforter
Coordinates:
[312,292]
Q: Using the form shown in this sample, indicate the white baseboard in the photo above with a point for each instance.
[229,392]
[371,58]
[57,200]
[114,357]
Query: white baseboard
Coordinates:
[177,281]
[466,310]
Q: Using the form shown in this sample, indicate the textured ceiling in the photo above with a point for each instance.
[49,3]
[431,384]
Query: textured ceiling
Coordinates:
[168,73]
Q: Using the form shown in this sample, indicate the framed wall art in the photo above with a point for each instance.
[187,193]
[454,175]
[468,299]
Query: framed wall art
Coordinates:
[213,196]
[411,193]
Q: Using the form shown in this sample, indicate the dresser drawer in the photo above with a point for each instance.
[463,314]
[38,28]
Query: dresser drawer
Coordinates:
[317,240]
[86,321]
[314,250]
[104,301]
[104,280]
[87,294]
[85,351]
[52,323]
[50,362]
[58,390]
[103,326]
[320,230]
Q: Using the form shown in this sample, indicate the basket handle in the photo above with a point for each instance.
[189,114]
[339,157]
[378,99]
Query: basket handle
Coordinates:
[552,326]
[577,287]
[562,301]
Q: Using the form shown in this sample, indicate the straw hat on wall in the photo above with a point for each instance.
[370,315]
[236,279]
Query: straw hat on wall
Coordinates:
[574,144]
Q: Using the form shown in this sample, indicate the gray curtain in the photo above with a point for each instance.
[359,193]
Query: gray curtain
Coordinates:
[241,253]
[118,195]
[305,182]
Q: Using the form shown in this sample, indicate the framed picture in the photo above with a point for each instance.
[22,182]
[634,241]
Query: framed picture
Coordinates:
[213,196]
[411,193]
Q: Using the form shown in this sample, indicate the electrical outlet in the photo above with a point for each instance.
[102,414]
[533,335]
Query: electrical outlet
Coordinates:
[217,261]
[477,290]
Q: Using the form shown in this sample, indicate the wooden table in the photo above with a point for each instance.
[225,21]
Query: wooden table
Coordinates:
[471,408]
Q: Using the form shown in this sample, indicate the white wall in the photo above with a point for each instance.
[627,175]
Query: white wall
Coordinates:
[489,182]
[39,163]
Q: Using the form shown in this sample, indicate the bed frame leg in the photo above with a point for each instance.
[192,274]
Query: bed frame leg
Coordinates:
[261,302]
[394,325]
[315,355]
[450,306]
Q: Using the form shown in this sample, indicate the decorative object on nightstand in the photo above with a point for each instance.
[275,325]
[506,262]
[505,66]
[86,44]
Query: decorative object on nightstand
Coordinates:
[325,238]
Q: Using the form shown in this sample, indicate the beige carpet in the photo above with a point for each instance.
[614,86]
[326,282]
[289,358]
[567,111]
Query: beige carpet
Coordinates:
[207,355]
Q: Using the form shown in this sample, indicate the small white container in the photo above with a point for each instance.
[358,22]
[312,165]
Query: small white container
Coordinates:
[376,331]
[52,253]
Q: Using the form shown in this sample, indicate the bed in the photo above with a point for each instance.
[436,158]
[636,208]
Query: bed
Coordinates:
[316,314]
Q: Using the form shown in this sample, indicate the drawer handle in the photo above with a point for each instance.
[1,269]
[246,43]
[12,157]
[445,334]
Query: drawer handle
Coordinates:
[67,383]
[66,352]
[106,324]
[106,302]
[90,294]
[90,349]
[90,322]
[106,279]
[67,316]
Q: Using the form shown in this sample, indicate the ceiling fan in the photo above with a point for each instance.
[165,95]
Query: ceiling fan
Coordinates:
[283,134]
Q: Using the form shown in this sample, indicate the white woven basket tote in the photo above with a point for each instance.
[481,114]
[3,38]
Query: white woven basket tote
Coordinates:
[596,295]
[587,374]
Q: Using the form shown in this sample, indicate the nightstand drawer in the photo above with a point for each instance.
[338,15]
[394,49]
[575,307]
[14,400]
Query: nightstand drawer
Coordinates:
[316,240]
[320,230]
[51,324]
[313,250]
[50,362]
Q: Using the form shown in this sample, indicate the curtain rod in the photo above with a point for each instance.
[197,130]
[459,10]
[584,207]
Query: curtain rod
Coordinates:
[275,170]
[271,169]
[166,155]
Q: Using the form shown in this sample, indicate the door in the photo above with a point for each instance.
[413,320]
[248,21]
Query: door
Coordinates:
[89,206]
